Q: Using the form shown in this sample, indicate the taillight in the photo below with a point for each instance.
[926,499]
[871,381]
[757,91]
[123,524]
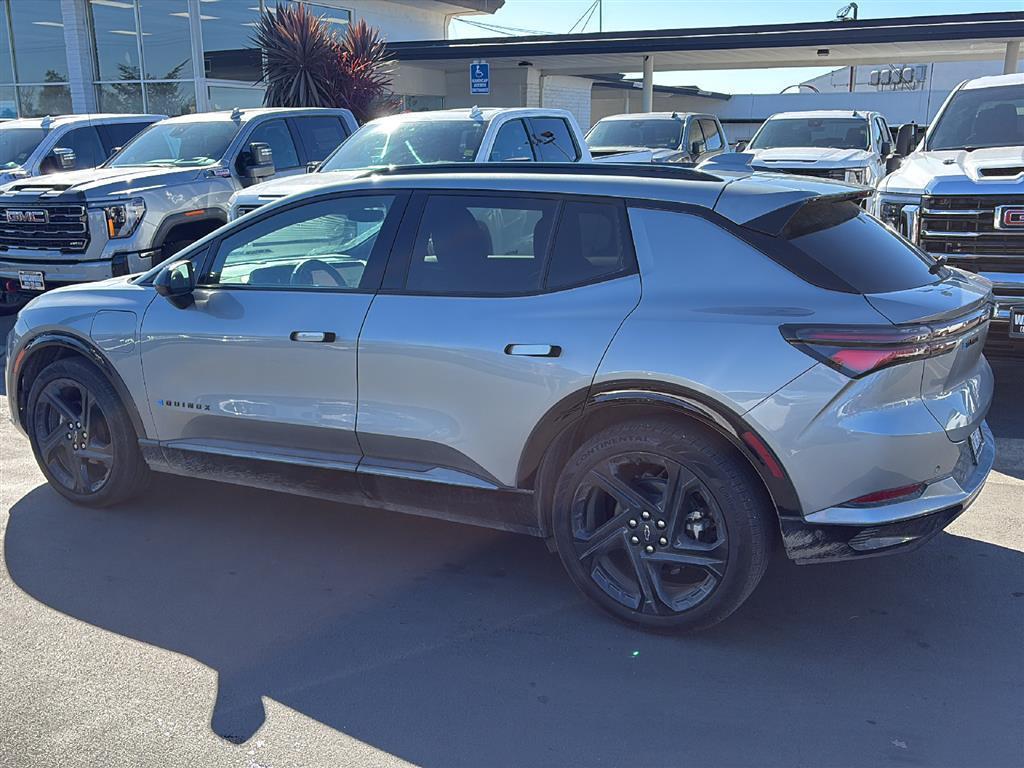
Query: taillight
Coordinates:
[857,350]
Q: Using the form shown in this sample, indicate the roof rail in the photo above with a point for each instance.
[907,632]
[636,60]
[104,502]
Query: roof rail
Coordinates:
[641,170]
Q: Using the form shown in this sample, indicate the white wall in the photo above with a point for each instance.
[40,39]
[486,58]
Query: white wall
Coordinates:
[401,20]
[571,93]
[898,107]
[419,81]
[613,101]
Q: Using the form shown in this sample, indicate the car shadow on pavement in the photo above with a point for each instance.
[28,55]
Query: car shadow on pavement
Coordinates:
[448,645]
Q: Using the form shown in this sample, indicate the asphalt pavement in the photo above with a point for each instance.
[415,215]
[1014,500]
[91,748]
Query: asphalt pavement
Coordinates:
[210,625]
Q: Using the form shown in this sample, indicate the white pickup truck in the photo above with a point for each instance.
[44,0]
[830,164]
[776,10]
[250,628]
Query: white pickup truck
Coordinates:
[505,135]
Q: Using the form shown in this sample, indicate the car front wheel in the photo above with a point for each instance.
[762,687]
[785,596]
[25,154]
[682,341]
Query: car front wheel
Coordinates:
[82,437]
[662,524]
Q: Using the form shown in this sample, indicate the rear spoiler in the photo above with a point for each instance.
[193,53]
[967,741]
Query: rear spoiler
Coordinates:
[768,203]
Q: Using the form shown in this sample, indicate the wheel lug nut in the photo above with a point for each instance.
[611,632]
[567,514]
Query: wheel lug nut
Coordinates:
[660,524]
[632,523]
[78,425]
[663,541]
[84,435]
[634,540]
[69,435]
[646,515]
[649,549]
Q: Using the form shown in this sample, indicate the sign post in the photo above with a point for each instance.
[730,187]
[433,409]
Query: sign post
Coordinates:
[479,78]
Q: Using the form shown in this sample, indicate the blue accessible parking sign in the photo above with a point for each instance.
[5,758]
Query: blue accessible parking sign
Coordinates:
[479,78]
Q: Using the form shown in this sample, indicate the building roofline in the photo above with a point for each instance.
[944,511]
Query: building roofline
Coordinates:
[947,27]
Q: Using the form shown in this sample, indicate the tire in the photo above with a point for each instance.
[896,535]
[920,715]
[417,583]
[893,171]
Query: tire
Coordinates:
[662,524]
[90,456]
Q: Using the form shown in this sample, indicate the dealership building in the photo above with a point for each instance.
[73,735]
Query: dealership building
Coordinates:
[180,56]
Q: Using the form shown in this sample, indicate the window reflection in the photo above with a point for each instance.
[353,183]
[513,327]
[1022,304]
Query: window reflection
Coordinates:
[42,100]
[166,38]
[6,60]
[116,39]
[227,27]
[119,97]
[39,52]
[171,98]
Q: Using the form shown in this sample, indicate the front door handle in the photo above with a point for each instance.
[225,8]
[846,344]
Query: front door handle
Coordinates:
[323,336]
[533,350]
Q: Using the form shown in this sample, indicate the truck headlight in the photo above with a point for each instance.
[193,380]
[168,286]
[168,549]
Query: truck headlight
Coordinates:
[856,175]
[899,213]
[123,218]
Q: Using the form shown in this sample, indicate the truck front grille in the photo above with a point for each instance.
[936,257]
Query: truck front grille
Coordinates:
[62,228]
[963,228]
[818,173]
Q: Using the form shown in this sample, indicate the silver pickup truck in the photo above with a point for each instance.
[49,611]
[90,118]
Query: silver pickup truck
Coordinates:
[493,135]
[164,189]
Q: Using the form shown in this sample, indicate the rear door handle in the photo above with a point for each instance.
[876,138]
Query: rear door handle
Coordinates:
[533,350]
[323,336]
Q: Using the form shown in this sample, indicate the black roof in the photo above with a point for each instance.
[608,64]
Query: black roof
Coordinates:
[644,170]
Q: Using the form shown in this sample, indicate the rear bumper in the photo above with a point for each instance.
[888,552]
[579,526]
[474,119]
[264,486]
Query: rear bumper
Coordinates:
[848,533]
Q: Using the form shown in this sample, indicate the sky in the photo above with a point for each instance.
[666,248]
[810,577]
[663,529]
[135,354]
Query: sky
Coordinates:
[557,16]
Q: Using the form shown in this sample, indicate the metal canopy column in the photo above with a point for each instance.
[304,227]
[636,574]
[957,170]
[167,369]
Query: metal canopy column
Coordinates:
[648,99]
[1012,55]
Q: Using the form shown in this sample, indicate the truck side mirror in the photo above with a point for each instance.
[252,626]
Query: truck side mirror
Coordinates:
[313,167]
[259,164]
[176,282]
[885,149]
[741,145]
[695,148]
[59,159]
[905,139]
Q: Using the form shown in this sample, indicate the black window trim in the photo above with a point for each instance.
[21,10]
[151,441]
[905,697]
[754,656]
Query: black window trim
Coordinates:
[404,244]
[388,235]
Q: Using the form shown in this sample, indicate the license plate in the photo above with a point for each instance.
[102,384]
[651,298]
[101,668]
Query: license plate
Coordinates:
[977,441]
[1017,322]
[31,281]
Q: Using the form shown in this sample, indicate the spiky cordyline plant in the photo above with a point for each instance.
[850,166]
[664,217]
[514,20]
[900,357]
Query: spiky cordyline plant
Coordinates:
[308,66]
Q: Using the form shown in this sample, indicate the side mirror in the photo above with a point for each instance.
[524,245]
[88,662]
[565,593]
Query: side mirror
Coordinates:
[312,167]
[885,149]
[59,159]
[905,139]
[741,145]
[259,164]
[176,282]
[695,148]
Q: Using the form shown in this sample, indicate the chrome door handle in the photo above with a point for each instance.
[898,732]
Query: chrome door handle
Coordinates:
[533,350]
[324,336]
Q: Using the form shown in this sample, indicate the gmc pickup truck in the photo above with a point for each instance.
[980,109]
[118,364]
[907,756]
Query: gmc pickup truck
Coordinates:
[505,135]
[671,137]
[960,195]
[164,189]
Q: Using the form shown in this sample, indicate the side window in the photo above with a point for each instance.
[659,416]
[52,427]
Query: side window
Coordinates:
[592,242]
[319,136]
[481,245]
[85,143]
[512,143]
[328,244]
[695,136]
[881,133]
[712,138]
[116,135]
[553,140]
[276,134]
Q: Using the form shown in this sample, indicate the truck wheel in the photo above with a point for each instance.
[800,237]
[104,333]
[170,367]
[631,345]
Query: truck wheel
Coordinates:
[662,524]
[82,437]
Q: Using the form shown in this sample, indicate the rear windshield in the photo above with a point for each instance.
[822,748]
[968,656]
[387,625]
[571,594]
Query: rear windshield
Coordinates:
[837,133]
[650,133]
[839,246]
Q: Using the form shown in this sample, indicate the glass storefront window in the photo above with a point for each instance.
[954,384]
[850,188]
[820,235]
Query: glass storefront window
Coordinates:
[228,54]
[116,39]
[338,18]
[227,97]
[166,38]
[42,100]
[39,51]
[8,101]
[119,97]
[171,98]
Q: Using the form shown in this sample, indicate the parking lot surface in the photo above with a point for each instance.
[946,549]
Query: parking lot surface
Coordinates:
[209,625]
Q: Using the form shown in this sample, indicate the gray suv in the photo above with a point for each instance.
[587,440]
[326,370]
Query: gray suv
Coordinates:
[661,372]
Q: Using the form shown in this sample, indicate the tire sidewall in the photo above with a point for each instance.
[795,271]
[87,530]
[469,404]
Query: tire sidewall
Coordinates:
[725,478]
[127,464]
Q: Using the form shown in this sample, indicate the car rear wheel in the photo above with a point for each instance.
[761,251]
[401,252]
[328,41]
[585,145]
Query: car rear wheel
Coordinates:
[662,524]
[82,436]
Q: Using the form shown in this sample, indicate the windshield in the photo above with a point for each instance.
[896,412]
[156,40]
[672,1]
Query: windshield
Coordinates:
[16,144]
[835,133]
[981,117]
[178,144]
[653,134]
[416,142]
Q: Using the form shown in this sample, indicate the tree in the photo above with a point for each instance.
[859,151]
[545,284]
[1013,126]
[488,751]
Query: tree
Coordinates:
[307,65]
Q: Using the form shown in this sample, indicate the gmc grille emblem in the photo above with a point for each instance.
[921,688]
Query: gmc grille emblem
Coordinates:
[1010,217]
[27,216]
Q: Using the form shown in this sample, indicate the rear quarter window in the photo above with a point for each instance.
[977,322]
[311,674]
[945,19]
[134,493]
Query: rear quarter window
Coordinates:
[838,245]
